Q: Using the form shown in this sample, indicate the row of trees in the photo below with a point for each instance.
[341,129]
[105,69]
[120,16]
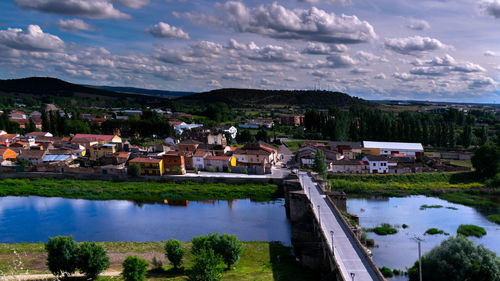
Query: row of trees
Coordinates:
[148,124]
[447,129]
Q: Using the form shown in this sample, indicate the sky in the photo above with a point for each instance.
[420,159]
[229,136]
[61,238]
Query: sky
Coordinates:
[438,50]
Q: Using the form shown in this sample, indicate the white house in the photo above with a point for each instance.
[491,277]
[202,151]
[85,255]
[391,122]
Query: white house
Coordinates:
[34,135]
[377,164]
[229,129]
[179,128]
[199,159]
[391,148]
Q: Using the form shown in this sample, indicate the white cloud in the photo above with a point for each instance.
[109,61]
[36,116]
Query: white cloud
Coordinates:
[417,24]
[74,25]
[214,84]
[404,77]
[94,9]
[481,82]
[199,18]
[32,39]
[369,57]
[314,24]
[490,54]
[324,49]
[164,30]
[446,65]
[415,45]
[380,76]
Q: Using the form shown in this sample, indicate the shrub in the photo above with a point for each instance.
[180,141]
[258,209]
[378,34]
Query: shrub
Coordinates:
[383,229]
[62,253]
[404,226]
[206,266]
[434,231]
[92,260]
[210,241]
[386,272]
[196,170]
[174,252]
[245,171]
[134,170]
[471,230]
[229,170]
[230,249]
[134,268]
[156,264]
[212,170]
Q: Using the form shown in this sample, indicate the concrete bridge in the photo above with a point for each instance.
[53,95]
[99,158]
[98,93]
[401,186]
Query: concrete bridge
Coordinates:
[322,238]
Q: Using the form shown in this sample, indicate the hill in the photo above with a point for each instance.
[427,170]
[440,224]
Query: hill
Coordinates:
[252,97]
[132,90]
[48,89]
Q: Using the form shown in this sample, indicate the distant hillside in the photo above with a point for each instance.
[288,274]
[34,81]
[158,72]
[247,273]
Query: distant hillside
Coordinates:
[250,97]
[132,90]
[52,89]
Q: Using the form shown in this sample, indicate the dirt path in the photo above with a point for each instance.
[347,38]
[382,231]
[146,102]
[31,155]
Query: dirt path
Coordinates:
[49,276]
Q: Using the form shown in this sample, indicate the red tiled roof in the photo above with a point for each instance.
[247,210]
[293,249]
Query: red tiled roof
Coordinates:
[218,158]
[37,133]
[93,137]
[145,160]
[123,155]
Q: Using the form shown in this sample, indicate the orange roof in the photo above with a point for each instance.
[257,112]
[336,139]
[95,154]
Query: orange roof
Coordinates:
[145,160]
[172,123]
[37,133]
[93,137]
[123,155]
[218,158]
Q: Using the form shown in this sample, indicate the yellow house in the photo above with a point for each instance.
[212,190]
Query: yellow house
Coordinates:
[99,151]
[149,166]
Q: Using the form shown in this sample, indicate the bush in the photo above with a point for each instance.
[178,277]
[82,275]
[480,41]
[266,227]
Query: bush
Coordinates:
[206,266]
[174,252]
[383,229]
[386,272]
[434,231]
[471,230]
[134,170]
[457,258]
[134,268]
[245,171]
[196,170]
[62,253]
[229,170]
[212,170]
[210,241]
[92,260]
[230,249]
[494,218]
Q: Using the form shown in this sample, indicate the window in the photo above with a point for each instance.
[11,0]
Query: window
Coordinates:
[374,164]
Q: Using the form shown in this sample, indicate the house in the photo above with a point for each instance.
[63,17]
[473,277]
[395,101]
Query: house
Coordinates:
[349,166]
[8,139]
[305,156]
[2,132]
[219,163]
[349,149]
[174,164]
[377,164]
[34,157]
[35,135]
[390,148]
[149,166]
[188,145]
[229,129]
[253,158]
[206,136]
[7,154]
[88,140]
[102,150]
[199,159]
[57,158]
[292,120]
[122,157]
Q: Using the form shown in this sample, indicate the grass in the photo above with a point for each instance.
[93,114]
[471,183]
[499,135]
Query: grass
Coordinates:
[435,231]
[461,163]
[423,207]
[259,260]
[494,218]
[471,230]
[383,229]
[146,191]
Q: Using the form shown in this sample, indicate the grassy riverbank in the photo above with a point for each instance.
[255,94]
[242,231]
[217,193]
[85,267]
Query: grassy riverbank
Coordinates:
[259,260]
[147,191]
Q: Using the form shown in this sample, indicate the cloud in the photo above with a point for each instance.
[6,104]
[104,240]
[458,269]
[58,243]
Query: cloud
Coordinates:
[339,61]
[74,25]
[481,82]
[417,24]
[93,9]
[235,77]
[332,2]
[380,76]
[359,70]
[315,25]
[134,4]
[404,77]
[267,53]
[415,45]
[320,73]
[369,57]
[490,8]
[214,84]
[164,30]
[199,18]
[32,39]
[324,49]
[291,79]
[202,52]
[490,54]
[446,65]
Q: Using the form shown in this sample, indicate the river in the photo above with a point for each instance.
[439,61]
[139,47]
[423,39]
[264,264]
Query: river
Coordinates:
[35,219]
[399,250]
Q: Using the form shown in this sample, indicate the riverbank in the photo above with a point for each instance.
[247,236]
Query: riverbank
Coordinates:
[462,188]
[259,260]
[146,191]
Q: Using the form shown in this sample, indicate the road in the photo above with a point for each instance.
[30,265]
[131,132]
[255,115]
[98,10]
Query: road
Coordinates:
[347,254]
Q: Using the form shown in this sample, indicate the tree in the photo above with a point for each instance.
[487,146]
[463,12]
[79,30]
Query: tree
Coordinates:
[457,258]
[244,136]
[62,253]
[206,266]
[230,249]
[174,252]
[262,136]
[134,268]
[486,161]
[210,241]
[92,260]
[134,170]
[319,165]
[467,136]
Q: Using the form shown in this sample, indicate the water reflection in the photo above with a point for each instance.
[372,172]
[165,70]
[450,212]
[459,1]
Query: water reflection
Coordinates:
[33,219]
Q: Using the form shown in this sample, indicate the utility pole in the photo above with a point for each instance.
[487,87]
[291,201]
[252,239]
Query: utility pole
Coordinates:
[419,241]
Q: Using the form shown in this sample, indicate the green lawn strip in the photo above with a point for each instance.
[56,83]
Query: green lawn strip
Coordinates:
[259,260]
[105,190]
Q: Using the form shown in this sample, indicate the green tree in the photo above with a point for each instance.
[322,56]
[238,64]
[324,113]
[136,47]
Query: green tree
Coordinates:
[92,260]
[62,253]
[134,170]
[134,268]
[466,136]
[319,165]
[486,161]
[210,241]
[230,249]
[174,252]
[457,258]
[206,266]
[262,135]
[244,136]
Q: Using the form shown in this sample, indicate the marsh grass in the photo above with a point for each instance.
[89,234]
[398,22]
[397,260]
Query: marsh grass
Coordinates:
[471,230]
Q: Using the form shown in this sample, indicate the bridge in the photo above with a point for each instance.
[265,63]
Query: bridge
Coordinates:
[321,235]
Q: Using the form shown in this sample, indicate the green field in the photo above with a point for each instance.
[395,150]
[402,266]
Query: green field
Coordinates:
[105,190]
[259,261]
